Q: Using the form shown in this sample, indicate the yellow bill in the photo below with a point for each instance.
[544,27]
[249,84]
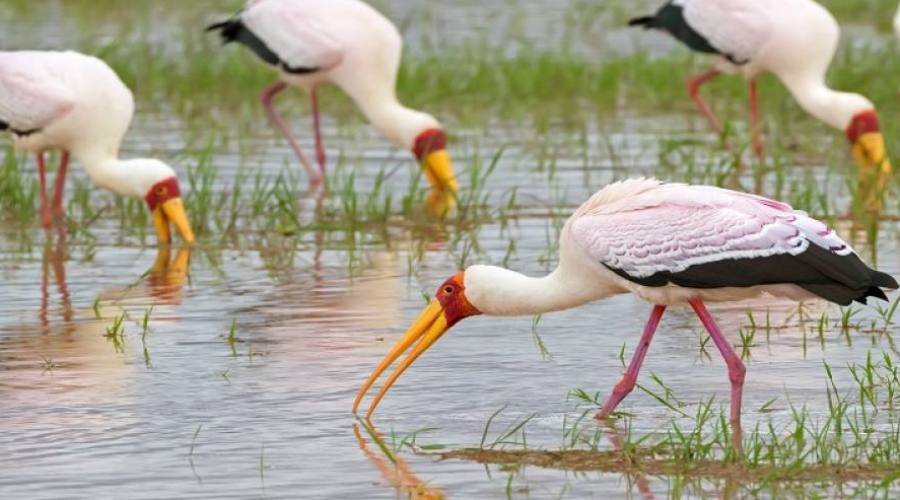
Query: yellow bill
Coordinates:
[438,170]
[171,212]
[426,330]
[870,155]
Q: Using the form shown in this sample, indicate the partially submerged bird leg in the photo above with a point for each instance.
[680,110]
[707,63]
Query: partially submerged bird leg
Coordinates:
[59,188]
[315,176]
[736,369]
[626,385]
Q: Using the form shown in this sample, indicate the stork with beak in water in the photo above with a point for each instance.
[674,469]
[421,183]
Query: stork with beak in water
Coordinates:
[349,44]
[796,41]
[77,104]
[671,245]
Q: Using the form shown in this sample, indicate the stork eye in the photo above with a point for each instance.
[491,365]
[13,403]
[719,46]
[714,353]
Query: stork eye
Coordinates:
[449,289]
[161,190]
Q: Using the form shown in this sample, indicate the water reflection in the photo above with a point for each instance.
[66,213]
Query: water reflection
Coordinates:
[72,356]
[321,298]
[393,468]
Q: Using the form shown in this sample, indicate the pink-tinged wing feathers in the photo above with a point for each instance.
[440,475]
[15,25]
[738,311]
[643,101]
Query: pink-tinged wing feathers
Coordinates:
[31,96]
[295,34]
[674,227]
[739,28]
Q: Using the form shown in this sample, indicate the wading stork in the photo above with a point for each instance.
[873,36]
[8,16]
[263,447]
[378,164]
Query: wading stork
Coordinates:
[671,245]
[77,104]
[796,41]
[350,44]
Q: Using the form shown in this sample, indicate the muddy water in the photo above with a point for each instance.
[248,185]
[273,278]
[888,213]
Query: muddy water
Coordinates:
[91,410]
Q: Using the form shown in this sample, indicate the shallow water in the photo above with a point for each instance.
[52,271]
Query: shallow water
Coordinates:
[180,411]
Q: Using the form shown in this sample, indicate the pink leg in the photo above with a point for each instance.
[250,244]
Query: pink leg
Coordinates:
[46,218]
[320,148]
[694,85]
[60,187]
[315,177]
[626,385]
[755,121]
[736,369]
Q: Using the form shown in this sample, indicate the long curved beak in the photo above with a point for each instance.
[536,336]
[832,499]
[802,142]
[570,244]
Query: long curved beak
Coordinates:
[427,329]
[870,155]
[172,212]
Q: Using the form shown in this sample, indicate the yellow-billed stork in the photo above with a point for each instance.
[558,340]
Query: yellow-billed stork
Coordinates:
[350,44]
[77,104]
[671,245]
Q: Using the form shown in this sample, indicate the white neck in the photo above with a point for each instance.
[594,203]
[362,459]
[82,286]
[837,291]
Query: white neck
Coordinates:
[124,177]
[830,106]
[500,292]
[396,122]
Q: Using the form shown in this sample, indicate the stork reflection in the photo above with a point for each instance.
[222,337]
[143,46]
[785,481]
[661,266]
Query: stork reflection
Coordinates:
[395,471]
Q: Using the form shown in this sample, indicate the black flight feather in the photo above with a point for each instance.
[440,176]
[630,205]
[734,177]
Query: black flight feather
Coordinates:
[836,278]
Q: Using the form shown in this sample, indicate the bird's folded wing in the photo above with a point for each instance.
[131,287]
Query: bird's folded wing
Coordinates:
[737,28]
[31,98]
[672,235]
[301,41]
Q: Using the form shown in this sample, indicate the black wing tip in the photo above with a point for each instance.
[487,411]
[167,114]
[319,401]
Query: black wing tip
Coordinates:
[873,292]
[884,280]
[645,21]
[218,26]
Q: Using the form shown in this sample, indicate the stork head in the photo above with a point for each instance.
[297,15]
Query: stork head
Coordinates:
[869,153]
[159,186]
[449,306]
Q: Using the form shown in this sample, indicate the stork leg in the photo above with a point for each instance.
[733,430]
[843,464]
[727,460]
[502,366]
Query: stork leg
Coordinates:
[626,385]
[46,217]
[736,369]
[315,176]
[320,147]
[755,121]
[694,85]
[59,188]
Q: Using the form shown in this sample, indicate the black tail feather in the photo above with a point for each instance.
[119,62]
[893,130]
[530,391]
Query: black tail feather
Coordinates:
[229,30]
[646,21]
[218,26]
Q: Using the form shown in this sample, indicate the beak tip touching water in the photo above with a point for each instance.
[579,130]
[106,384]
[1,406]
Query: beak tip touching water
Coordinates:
[426,330]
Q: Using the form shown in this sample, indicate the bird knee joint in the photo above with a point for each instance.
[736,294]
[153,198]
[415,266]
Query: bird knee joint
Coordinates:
[625,386]
[737,373]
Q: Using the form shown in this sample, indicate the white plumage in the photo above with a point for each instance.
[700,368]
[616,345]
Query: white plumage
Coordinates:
[736,27]
[299,35]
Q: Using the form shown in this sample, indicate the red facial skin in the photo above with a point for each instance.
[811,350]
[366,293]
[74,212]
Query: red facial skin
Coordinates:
[162,192]
[428,142]
[452,296]
[863,123]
